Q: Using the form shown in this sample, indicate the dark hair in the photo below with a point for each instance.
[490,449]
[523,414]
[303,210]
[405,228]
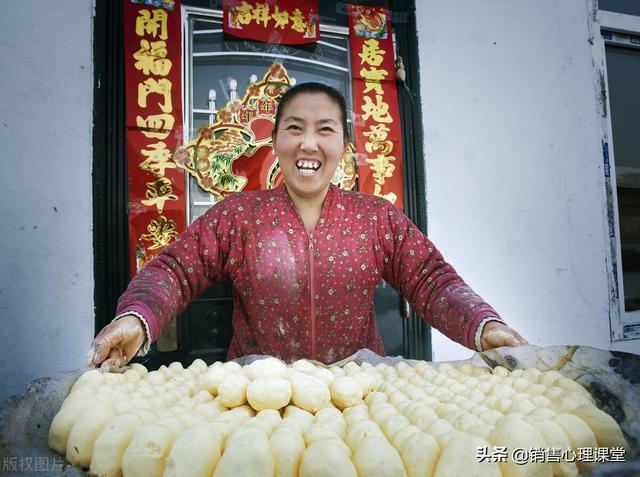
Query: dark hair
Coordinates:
[313,87]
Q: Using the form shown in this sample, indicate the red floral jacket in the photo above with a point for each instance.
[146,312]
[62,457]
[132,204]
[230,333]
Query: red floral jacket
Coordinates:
[300,294]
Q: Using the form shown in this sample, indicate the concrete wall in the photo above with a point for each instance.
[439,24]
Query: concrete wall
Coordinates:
[514,165]
[46,96]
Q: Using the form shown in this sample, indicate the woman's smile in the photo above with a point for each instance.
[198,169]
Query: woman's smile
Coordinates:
[308,167]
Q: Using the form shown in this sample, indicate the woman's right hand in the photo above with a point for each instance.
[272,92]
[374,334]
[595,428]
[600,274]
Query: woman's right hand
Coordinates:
[117,342]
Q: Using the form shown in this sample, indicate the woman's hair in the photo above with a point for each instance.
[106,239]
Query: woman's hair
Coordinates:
[313,87]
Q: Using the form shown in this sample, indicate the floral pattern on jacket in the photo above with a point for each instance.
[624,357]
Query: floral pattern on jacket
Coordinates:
[300,294]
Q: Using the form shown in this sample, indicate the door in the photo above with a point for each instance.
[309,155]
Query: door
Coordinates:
[218,68]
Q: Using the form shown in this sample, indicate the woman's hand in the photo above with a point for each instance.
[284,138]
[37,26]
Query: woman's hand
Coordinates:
[496,334]
[117,342]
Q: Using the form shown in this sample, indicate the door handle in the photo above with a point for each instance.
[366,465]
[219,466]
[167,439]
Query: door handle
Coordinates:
[213,331]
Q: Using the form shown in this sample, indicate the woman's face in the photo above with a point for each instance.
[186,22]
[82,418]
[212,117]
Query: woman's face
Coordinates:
[309,143]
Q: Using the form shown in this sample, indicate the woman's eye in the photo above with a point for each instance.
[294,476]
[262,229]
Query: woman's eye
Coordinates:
[293,126]
[327,129]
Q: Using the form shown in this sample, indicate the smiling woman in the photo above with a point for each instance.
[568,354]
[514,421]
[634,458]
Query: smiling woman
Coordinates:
[304,258]
[309,142]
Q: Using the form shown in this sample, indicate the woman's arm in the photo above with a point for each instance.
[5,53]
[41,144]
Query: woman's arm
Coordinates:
[416,268]
[165,286]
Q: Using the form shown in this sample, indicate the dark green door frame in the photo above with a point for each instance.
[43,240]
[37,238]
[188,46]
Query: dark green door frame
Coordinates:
[110,232]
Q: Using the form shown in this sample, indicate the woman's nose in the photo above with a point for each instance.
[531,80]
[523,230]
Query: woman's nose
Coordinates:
[309,142]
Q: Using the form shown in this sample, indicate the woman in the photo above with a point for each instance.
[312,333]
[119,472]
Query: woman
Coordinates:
[304,259]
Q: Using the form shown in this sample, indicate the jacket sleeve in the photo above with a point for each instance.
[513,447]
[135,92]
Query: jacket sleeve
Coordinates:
[417,270]
[185,268]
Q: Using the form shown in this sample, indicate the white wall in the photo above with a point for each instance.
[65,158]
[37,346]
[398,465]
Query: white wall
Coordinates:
[513,151]
[46,100]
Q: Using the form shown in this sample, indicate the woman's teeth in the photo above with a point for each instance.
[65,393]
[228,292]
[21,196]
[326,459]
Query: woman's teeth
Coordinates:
[307,167]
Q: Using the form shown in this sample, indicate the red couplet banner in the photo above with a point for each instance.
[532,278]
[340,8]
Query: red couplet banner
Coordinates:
[375,103]
[287,22]
[152,49]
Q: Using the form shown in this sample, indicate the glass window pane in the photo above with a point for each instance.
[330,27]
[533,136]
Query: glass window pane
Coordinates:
[628,7]
[623,67]
[214,59]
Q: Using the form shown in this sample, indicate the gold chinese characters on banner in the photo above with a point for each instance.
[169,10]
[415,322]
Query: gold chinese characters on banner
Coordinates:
[154,126]
[289,22]
[376,112]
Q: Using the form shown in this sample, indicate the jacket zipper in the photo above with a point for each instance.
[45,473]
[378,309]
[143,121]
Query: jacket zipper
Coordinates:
[313,298]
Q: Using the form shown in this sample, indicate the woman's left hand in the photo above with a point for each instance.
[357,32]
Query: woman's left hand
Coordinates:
[496,334]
